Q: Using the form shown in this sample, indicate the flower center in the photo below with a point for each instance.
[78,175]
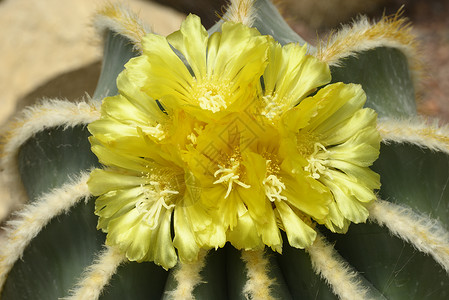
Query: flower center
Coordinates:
[271,107]
[156,197]
[155,131]
[230,175]
[317,162]
[193,136]
[306,143]
[212,96]
[272,184]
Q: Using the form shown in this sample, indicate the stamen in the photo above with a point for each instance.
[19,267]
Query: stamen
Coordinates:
[272,107]
[155,199]
[272,184]
[317,162]
[156,131]
[212,101]
[193,136]
[229,176]
[273,188]
[212,96]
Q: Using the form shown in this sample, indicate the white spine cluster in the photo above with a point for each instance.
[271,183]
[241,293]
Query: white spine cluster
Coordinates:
[345,282]
[259,282]
[417,131]
[48,114]
[425,234]
[29,221]
[121,20]
[241,11]
[187,276]
[97,276]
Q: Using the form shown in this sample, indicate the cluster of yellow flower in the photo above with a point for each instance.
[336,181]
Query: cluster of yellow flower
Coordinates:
[234,136]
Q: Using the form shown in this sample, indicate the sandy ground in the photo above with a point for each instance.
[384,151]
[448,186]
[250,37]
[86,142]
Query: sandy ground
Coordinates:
[41,40]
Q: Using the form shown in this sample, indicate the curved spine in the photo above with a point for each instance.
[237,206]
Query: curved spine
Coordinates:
[29,221]
[259,283]
[391,31]
[97,276]
[187,276]
[417,131]
[425,234]
[345,282]
[48,114]
[121,20]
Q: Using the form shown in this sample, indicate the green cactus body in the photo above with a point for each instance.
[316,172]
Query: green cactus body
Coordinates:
[402,252]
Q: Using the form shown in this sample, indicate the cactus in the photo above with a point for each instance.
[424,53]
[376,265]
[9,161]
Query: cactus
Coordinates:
[68,160]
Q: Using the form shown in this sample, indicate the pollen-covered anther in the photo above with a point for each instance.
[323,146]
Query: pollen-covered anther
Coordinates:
[272,184]
[212,96]
[193,136]
[157,132]
[272,108]
[155,199]
[317,162]
[273,188]
[230,176]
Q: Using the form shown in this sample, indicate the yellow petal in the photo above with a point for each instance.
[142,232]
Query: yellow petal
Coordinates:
[191,41]
[333,104]
[352,187]
[102,181]
[137,241]
[362,149]
[122,231]
[346,129]
[291,74]
[349,206]
[268,230]
[184,239]
[254,197]
[244,235]
[237,54]
[304,197]
[214,236]
[363,175]
[131,89]
[108,130]
[116,202]
[108,156]
[167,74]
[299,234]
[335,221]
[162,249]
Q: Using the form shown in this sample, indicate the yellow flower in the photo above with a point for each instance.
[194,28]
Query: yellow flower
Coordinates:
[234,149]
[337,141]
[329,137]
[206,76]
[144,181]
[290,76]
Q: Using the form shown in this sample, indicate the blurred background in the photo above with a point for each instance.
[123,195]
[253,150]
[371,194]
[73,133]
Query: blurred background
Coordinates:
[48,48]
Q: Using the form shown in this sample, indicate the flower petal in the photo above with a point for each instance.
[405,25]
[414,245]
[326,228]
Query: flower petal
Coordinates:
[184,239]
[299,234]
[191,41]
[350,207]
[167,74]
[102,181]
[291,75]
[244,234]
[162,251]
